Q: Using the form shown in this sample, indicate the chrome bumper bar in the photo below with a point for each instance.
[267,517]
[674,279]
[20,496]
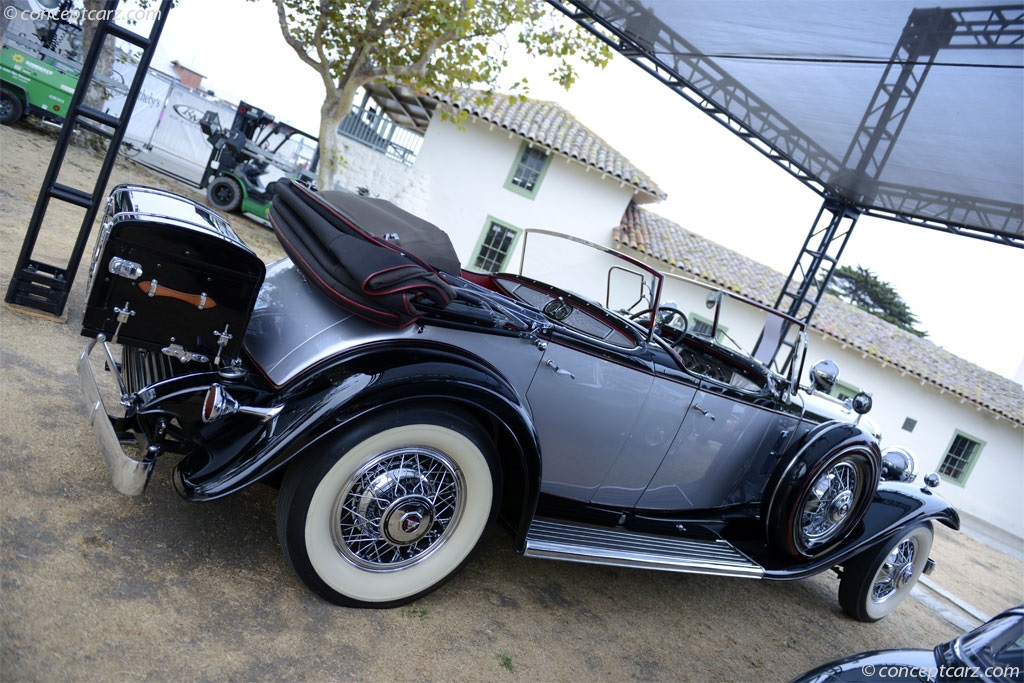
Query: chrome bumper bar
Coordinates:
[128,475]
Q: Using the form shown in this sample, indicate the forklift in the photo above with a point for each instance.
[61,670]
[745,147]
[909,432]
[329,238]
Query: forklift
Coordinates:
[249,159]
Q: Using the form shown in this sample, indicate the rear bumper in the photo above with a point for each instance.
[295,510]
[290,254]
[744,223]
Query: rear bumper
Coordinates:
[128,475]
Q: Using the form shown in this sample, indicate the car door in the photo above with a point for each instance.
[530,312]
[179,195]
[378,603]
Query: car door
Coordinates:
[724,452]
[588,410]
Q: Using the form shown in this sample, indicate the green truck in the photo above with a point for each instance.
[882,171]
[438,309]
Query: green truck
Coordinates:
[34,80]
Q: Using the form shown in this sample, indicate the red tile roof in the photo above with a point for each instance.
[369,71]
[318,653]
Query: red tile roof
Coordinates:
[548,125]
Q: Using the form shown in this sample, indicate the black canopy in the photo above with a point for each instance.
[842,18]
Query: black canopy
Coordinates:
[898,108]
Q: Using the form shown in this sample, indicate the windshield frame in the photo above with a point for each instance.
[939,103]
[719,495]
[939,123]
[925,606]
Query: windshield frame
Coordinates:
[789,326]
[657,278]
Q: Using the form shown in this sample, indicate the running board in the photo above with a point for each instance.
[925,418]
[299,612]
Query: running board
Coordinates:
[559,540]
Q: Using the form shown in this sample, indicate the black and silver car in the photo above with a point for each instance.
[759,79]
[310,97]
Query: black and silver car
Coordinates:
[991,653]
[604,412]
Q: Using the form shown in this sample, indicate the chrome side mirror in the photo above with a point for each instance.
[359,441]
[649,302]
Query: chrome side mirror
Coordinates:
[824,375]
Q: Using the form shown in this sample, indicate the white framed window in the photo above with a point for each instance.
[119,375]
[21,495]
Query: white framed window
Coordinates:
[528,171]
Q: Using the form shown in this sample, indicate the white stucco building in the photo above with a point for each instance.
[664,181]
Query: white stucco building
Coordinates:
[509,166]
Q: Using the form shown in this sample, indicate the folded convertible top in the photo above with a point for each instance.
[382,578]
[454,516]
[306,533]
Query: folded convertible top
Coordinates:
[365,254]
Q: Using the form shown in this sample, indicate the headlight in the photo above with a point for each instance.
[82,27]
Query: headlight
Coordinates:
[898,464]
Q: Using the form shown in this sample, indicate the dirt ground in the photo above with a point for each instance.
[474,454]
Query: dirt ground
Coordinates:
[95,586]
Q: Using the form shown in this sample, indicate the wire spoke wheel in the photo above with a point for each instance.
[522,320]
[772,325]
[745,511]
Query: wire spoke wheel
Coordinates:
[822,498]
[830,503]
[896,571]
[391,510]
[398,509]
[875,582]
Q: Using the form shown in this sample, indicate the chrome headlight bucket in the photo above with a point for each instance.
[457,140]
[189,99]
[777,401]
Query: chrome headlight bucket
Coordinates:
[898,464]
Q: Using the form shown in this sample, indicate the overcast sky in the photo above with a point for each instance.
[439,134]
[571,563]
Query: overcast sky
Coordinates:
[965,292]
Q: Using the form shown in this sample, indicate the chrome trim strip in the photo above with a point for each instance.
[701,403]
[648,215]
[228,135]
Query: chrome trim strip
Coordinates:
[129,476]
[613,547]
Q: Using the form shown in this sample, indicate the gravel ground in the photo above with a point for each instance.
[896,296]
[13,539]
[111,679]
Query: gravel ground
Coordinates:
[97,587]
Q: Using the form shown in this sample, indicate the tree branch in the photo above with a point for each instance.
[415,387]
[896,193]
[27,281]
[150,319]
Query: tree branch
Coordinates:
[282,20]
[417,67]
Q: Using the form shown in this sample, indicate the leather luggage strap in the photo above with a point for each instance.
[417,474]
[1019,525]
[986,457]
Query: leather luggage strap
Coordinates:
[200,301]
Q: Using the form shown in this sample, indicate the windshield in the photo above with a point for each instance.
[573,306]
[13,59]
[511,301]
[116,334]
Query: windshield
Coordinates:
[631,289]
[1000,642]
[603,276]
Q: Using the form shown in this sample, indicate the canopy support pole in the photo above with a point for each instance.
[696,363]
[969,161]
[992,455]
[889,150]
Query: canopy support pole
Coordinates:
[812,272]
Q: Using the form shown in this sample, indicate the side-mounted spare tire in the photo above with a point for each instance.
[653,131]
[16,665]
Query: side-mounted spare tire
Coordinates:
[823,490]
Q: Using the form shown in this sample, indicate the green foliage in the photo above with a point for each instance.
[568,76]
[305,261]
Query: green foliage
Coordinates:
[862,288]
[415,613]
[434,46]
[506,662]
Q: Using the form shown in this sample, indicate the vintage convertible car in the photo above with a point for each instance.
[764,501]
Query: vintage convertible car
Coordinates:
[402,403]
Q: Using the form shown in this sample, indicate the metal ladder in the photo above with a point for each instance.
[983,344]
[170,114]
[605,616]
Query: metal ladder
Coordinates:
[41,286]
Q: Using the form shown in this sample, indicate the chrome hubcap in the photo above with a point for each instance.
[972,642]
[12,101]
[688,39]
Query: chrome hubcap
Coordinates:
[839,508]
[397,509]
[407,520]
[896,572]
[829,503]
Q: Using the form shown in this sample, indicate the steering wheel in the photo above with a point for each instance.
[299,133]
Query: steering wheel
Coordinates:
[670,323]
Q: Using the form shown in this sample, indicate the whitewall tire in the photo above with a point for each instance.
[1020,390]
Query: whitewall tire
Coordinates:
[875,582]
[392,511]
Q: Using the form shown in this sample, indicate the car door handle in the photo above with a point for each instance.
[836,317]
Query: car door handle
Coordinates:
[558,371]
[703,412]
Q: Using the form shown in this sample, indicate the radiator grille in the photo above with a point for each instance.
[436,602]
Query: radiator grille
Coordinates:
[142,368]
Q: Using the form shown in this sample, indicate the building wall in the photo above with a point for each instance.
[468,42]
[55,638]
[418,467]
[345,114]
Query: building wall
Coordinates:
[383,177]
[993,489]
[466,166]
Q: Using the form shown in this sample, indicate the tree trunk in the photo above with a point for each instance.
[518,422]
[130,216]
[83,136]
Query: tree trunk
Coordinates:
[331,114]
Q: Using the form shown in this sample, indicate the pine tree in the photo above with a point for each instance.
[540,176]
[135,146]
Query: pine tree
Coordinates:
[862,288]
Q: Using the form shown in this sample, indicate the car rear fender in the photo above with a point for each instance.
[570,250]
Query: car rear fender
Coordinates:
[384,378]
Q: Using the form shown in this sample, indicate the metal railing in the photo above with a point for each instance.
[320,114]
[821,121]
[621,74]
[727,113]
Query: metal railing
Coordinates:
[377,131]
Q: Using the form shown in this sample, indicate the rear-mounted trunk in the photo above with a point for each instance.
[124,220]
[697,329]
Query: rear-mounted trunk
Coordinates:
[170,275]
